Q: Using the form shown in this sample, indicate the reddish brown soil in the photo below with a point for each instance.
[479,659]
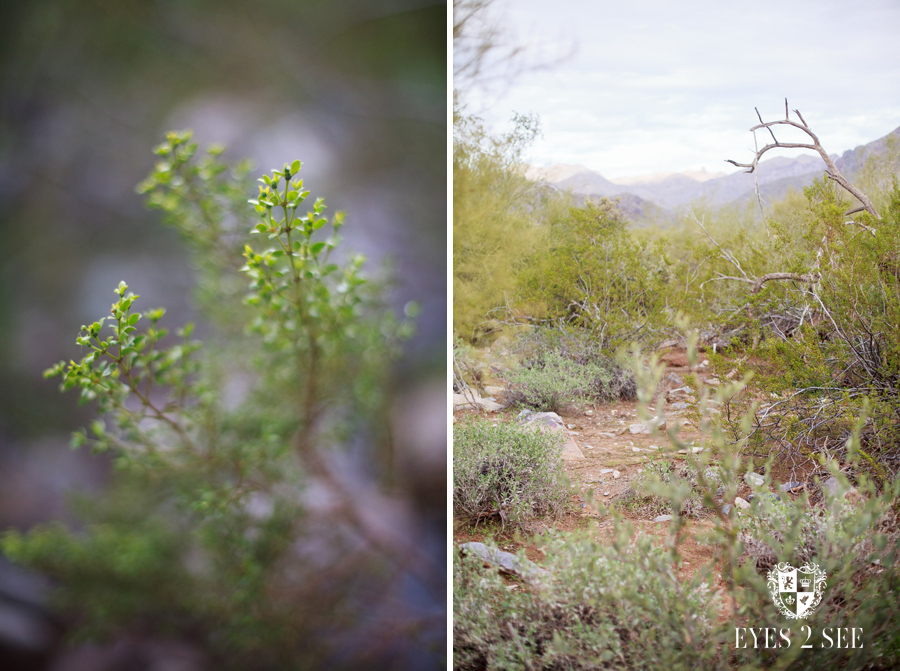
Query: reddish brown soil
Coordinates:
[601,431]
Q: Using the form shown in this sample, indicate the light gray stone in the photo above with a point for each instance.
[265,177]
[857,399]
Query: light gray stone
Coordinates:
[675,379]
[463,400]
[649,426]
[662,518]
[550,421]
[754,479]
[506,561]
[741,503]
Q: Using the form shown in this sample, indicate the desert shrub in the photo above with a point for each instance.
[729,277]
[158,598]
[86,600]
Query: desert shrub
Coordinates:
[606,605]
[777,526]
[622,601]
[680,475]
[595,273]
[564,365]
[506,470]
[841,358]
[208,531]
[618,603]
[554,382]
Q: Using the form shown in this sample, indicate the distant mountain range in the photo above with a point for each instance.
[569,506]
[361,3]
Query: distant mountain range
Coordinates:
[658,196]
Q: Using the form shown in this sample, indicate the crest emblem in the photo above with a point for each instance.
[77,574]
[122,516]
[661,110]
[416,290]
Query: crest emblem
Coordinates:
[796,592]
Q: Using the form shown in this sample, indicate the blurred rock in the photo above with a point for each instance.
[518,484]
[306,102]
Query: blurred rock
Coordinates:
[743,504]
[132,654]
[754,479]
[657,423]
[28,634]
[505,561]
[550,421]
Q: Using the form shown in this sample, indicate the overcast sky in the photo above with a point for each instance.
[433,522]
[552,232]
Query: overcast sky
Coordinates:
[642,86]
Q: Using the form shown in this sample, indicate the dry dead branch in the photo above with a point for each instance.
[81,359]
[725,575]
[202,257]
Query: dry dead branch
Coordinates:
[757,282]
[810,278]
[831,169]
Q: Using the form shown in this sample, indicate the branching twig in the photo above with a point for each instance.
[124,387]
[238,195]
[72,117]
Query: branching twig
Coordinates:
[757,282]
[831,169]
[811,278]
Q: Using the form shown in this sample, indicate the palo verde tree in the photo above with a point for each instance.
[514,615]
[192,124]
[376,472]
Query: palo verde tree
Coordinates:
[596,274]
[497,218]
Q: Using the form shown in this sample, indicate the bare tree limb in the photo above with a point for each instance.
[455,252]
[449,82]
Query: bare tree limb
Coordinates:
[811,278]
[757,282]
[726,254]
[831,169]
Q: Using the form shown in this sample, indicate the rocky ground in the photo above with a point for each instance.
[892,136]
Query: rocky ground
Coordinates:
[606,450]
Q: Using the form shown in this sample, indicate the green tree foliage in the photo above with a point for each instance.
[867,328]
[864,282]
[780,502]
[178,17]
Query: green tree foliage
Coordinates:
[842,356]
[206,531]
[497,217]
[598,275]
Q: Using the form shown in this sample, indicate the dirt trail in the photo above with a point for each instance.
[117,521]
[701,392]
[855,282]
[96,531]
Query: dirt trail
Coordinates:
[613,460]
[602,432]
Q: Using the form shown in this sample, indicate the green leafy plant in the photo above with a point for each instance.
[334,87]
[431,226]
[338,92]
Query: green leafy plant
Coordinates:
[563,366]
[626,601]
[497,220]
[207,532]
[506,470]
[595,273]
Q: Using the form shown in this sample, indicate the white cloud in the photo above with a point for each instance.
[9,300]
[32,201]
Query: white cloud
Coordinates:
[655,85]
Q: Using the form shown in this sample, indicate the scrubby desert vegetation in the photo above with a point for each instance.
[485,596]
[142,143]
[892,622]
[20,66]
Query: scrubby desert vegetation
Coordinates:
[776,426]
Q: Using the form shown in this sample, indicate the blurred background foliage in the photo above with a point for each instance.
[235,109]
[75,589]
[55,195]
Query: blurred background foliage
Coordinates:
[355,89]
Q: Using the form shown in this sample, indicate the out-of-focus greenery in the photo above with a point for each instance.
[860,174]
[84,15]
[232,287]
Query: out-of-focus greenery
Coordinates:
[86,87]
[207,532]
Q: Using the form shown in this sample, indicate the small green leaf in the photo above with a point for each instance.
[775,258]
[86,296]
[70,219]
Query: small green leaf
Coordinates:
[295,167]
[98,427]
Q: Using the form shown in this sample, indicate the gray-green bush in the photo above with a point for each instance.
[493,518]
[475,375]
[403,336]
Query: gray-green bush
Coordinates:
[678,474]
[506,470]
[602,608]
[563,366]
